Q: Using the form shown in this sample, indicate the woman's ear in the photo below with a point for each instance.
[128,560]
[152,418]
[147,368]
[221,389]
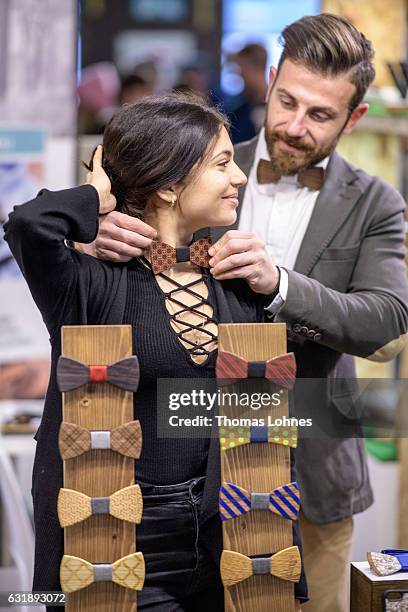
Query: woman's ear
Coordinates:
[169,196]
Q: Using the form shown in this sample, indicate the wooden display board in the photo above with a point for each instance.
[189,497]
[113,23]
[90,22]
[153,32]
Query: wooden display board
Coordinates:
[98,473]
[257,468]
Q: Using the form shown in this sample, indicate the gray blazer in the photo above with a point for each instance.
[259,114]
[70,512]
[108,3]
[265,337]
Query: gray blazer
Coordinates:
[347,295]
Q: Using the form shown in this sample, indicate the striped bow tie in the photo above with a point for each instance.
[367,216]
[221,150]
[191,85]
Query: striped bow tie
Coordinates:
[72,374]
[76,573]
[74,440]
[388,561]
[280,370]
[285,565]
[234,501]
[312,178]
[230,437]
[125,504]
[163,256]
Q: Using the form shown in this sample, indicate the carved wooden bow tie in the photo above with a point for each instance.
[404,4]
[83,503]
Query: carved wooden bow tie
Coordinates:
[312,178]
[72,374]
[230,437]
[285,565]
[389,561]
[76,573]
[74,440]
[163,256]
[125,504]
[280,370]
[235,501]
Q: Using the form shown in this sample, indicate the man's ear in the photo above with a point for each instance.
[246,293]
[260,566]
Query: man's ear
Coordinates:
[355,116]
[272,76]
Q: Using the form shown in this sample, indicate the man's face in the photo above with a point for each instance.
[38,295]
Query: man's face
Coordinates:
[306,114]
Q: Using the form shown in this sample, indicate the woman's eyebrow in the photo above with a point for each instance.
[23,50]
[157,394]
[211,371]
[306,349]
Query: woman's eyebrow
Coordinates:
[227,152]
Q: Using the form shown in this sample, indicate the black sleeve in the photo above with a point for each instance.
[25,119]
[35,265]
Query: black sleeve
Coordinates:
[36,232]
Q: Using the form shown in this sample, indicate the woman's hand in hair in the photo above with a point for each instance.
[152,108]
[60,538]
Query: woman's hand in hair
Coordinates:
[100,180]
[242,255]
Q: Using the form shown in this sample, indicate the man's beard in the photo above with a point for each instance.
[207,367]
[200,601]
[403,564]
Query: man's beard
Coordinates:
[287,163]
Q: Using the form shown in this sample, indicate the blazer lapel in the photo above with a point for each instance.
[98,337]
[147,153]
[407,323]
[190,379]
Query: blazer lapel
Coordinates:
[336,200]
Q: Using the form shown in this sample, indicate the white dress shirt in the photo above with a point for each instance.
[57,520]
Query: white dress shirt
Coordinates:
[278,213]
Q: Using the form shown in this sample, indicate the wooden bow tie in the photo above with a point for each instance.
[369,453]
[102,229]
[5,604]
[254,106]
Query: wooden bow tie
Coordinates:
[76,573]
[387,562]
[312,178]
[72,374]
[280,370]
[163,256]
[230,437]
[74,440]
[285,565]
[125,504]
[235,501]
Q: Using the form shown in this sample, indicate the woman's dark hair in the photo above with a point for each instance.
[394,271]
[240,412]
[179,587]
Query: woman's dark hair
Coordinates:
[155,143]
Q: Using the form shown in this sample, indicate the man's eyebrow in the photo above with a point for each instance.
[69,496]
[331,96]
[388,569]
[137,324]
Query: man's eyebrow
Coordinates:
[320,109]
[227,152]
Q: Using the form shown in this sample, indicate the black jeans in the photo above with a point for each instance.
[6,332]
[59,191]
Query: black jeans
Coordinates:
[180,574]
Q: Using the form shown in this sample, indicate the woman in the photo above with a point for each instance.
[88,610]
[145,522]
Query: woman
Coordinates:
[169,161]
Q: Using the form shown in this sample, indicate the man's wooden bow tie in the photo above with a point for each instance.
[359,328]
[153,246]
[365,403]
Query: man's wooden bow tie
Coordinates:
[388,561]
[280,370]
[312,178]
[163,256]
[230,437]
[235,501]
[74,440]
[76,573]
[125,504]
[72,374]
[285,565]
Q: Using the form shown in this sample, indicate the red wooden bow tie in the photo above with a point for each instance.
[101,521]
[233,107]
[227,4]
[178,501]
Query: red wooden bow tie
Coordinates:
[163,256]
[312,178]
[280,370]
[72,374]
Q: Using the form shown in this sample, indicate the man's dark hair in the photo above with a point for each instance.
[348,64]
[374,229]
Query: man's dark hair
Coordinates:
[155,143]
[330,45]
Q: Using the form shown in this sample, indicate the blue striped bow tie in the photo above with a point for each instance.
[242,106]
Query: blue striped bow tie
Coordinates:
[234,501]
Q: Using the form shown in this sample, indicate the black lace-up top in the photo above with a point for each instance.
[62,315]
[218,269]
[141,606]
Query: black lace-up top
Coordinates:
[161,354]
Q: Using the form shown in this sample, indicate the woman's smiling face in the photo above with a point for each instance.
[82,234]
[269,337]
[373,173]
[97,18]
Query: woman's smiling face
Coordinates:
[210,197]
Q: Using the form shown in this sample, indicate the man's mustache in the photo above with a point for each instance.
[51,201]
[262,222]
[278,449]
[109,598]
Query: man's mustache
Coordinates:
[293,142]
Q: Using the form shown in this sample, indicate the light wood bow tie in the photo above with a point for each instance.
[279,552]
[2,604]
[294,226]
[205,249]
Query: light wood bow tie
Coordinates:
[76,573]
[230,437]
[312,178]
[235,501]
[74,440]
[285,565]
[125,504]
[163,256]
[388,561]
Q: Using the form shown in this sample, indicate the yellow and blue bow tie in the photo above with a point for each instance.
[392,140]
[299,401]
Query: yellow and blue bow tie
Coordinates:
[230,437]
[235,501]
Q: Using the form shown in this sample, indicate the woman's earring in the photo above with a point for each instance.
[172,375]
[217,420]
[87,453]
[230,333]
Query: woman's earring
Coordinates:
[173,201]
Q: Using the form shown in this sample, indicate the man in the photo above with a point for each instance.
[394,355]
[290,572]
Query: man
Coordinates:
[335,269]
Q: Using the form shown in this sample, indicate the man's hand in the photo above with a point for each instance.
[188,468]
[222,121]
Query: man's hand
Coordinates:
[120,238]
[100,180]
[243,255]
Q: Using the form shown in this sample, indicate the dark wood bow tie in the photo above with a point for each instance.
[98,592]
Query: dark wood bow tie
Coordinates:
[163,256]
[312,178]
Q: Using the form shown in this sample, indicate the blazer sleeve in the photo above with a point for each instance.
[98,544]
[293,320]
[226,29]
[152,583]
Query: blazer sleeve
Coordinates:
[371,318]
[36,232]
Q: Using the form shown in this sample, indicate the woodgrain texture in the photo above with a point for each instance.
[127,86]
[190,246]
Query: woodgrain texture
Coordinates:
[99,473]
[258,468]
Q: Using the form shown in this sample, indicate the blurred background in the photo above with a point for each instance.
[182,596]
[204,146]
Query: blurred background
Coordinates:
[65,67]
